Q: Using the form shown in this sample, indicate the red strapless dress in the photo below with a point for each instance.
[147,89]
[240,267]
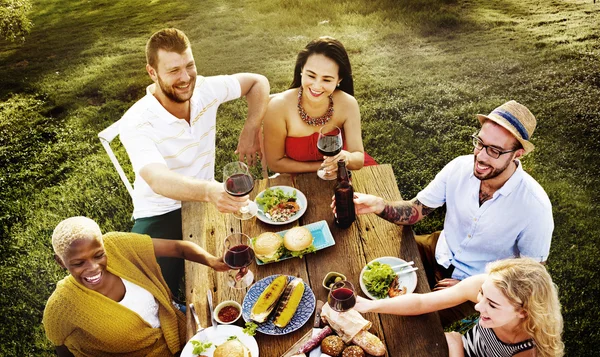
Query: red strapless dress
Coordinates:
[304,148]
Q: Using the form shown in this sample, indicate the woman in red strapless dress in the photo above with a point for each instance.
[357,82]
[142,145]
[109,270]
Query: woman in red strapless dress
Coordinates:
[321,93]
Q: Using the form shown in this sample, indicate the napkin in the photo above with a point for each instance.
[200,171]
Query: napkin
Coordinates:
[346,324]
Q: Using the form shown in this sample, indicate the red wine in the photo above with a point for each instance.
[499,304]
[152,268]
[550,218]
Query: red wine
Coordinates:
[342,299]
[239,184]
[239,256]
[344,198]
[329,145]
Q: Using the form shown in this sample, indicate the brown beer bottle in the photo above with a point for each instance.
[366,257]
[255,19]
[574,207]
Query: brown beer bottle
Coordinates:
[344,198]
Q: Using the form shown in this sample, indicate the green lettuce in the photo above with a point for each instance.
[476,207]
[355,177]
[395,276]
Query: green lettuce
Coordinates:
[272,198]
[250,328]
[377,278]
[200,347]
[303,252]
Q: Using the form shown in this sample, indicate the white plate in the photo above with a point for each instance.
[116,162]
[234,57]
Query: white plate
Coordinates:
[409,279]
[218,336]
[300,199]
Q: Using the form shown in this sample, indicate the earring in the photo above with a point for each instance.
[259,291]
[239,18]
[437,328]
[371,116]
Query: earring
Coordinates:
[300,74]
[338,85]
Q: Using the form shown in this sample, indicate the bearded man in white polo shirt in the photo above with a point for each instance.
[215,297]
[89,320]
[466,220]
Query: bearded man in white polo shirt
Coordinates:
[170,137]
[494,209]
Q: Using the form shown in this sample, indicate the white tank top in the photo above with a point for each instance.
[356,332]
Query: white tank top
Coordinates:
[140,301]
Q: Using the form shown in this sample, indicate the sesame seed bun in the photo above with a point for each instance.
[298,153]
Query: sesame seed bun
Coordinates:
[233,348]
[297,239]
[266,246]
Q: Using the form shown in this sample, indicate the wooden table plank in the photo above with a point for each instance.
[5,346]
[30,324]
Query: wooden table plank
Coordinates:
[368,238]
[382,238]
[268,345]
[207,227]
[346,256]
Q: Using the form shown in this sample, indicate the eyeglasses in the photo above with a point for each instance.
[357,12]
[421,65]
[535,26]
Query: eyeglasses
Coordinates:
[490,150]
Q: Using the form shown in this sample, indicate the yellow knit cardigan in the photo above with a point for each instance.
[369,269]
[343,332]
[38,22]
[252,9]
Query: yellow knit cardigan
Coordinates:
[91,324]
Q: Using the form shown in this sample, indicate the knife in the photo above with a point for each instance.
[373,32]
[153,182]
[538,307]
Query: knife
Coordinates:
[196,319]
[212,312]
[317,322]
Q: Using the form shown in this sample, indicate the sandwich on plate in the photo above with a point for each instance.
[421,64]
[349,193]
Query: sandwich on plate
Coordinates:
[299,241]
[268,247]
[231,348]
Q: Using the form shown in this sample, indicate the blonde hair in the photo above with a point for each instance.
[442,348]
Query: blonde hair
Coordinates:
[529,287]
[72,229]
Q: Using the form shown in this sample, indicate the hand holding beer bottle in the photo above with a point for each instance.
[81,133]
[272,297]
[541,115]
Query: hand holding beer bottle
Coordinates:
[344,198]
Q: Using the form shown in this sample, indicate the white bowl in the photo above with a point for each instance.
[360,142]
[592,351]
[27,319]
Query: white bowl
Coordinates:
[409,279]
[224,304]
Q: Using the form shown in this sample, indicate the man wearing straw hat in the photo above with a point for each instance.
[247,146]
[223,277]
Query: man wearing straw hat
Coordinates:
[495,210]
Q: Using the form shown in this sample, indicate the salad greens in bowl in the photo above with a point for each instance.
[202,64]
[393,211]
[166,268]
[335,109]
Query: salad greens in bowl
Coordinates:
[280,205]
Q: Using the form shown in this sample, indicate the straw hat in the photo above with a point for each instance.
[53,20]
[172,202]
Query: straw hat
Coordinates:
[515,118]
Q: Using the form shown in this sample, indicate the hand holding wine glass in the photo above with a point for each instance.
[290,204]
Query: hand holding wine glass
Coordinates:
[342,296]
[238,254]
[239,182]
[329,144]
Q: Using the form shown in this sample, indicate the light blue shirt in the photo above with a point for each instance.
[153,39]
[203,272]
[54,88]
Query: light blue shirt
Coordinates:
[515,222]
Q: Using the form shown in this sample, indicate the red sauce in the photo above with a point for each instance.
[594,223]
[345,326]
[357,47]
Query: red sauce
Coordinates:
[228,313]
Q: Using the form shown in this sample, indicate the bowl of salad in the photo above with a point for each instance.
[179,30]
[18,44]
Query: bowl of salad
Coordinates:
[280,205]
[378,279]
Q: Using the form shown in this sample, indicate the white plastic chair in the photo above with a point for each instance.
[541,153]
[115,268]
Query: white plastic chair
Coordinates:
[106,136]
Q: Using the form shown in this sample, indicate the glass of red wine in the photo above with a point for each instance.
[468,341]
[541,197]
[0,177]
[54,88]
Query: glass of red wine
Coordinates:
[239,182]
[329,144]
[238,254]
[342,296]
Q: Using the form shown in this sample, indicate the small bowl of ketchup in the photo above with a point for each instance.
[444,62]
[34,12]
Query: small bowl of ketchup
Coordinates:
[228,312]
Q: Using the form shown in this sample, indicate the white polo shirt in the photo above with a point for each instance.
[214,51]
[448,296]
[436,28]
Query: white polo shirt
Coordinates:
[516,222]
[151,134]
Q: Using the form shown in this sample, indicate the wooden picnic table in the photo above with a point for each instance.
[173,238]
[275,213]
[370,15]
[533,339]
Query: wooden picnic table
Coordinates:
[368,238]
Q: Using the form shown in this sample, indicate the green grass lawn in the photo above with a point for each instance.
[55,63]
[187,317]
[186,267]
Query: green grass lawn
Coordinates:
[422,70]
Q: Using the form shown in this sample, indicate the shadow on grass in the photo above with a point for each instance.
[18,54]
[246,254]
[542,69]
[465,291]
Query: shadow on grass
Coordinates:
[64,33]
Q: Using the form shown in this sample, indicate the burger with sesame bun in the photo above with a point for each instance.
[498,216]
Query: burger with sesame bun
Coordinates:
[268,247]
[299,241]
[231,348]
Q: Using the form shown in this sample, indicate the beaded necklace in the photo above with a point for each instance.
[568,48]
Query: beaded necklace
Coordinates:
[315,121]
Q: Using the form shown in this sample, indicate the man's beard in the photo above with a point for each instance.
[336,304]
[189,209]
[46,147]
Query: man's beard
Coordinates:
[169,92]
[494,173]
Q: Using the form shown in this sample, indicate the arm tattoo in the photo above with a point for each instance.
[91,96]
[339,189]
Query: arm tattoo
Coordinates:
[424,209]
[402,213]
[405,212]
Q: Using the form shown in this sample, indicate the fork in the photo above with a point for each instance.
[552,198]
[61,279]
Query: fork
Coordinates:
[404,271]
[403,265]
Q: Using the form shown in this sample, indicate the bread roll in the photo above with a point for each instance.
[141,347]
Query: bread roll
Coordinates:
[332,345]
[297,239]
[353,351]
[266,246]
[370,343]
[232,348]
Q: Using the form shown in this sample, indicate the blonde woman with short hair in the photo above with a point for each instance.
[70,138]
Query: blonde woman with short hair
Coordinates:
[518,306]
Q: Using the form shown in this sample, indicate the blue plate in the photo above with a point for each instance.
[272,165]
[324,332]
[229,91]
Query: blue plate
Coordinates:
[303,313]
[322,238]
